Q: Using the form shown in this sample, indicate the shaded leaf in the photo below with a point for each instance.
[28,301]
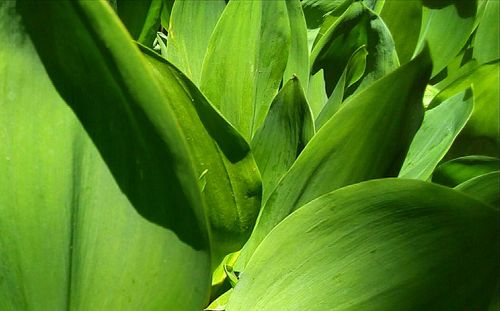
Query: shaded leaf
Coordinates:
[439,129]
[287,129]
[70,239]
[233,186]
[245,61]
[457,171]
[367,138]
[141,17]
[388,244]
[483,187]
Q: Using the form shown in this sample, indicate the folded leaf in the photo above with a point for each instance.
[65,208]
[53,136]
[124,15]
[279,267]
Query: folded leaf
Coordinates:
[287,129]
[439,129]
[446,26]
[483,187]
[358,26]
[366,139]
[388,244]
[70,238]
[141,17]
[191,25]
[457,171]
[233,186]
[245,61]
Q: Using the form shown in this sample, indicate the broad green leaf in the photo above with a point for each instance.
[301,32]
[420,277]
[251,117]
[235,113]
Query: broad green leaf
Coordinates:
[358,26]
[439,129]
[353,71]
[166,12]
[446,26]
[191,25]
[70,236]
[367,138]
[403,18]
[298,58]
[486,39]
[233,186]
[388,244]
[287,129]
[483,187]
[245,61]
[457,171]
[141,17]
[481,134]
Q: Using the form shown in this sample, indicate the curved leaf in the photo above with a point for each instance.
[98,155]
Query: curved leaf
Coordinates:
[233,186]
[70,239]
[486,40]
[457,171]
[286,131]
[141,17]
[439,129]
[367,138]
[446,26]
[483,187]
[191,25]
[387,244]
[245,61]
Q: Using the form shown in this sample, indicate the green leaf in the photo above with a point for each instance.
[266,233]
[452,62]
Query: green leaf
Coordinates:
[481,134]
[439,129]
[71,237]
[358,26]
[457,171]
[486,40]
[233,185]
[353,71]
[388,244]
[191,25]
[220,303]
[287,129]
[403,18]
[141,17]
[316,93]
[485,188]
[316,10]
[245,61]
[366,139]
[298,58]
[446,26]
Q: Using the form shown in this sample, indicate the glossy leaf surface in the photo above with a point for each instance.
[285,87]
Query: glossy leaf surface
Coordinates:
[387,244]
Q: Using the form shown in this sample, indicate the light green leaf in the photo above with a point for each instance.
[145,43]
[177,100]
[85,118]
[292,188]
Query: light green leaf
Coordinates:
[439,129]
[366,139]
[481,134]
[298,58]
[287,129]
[245,61]
[358,26]
[403,18]
[191,25]
[73,235]
[375,5]
[316,93]
[486,40]
[220,303]
[233,185]
[457,171]
[446,26]
[352,73]
[483,187]
[387,244]
[141,17]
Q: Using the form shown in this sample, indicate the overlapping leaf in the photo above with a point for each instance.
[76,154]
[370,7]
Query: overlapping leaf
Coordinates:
[72,238]
[388,244]
[460,170]
[367,138]
[141,17]
[484,187]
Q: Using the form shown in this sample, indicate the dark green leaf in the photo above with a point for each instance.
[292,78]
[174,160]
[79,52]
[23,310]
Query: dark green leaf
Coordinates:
[457,171]
[483,187]
[141,17]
